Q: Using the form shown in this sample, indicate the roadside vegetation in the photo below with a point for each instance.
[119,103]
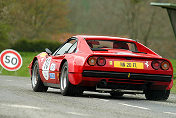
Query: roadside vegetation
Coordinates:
[174,67]
[174,87]
[23,71]
[33,21]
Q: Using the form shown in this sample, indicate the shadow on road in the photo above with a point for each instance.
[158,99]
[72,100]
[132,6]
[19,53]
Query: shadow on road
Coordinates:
[106,96]
[100,96]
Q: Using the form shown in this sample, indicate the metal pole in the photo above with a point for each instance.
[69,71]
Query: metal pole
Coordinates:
[1,70]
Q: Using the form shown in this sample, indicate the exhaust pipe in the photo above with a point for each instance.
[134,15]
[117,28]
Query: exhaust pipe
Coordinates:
[102,84]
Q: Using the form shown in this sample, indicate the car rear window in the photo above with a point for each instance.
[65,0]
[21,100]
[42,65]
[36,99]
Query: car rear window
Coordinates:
[111,44]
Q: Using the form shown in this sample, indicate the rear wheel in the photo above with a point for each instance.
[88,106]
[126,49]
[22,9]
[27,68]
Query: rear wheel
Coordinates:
[157,94]
[37,84]
[65,86]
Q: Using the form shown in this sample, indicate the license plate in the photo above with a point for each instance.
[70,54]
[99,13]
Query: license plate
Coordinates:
[123,64]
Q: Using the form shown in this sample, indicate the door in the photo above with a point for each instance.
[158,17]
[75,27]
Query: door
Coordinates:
[50,69]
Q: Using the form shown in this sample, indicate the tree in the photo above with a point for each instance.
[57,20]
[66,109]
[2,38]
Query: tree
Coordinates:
[32,19]
[4,24]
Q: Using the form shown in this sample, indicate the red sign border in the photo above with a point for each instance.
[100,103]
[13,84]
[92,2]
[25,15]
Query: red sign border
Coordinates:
[15,53]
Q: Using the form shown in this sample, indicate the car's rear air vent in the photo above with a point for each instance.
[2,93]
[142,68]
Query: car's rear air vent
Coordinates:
[128,58]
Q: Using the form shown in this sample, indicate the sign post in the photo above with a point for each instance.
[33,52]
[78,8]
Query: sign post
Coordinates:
[10,60]
[171,9]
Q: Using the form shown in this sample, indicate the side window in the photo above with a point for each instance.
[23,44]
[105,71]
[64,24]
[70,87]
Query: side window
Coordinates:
[73,48]
[65,48]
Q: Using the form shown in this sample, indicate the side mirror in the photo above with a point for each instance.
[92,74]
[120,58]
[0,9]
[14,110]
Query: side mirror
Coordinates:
[48,51]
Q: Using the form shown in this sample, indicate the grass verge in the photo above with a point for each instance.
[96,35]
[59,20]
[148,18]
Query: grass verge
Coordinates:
[23,71]
[174,67]
[174,87]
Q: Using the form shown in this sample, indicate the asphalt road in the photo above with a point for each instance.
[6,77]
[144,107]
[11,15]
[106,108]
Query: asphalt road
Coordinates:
[17,100]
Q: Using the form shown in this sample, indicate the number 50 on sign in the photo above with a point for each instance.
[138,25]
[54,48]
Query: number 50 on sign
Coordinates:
[10,60]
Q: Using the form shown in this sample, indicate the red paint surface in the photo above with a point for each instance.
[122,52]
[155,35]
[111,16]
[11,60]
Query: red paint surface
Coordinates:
[77,62]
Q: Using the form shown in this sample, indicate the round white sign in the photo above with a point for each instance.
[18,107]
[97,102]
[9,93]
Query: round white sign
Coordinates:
[10,60]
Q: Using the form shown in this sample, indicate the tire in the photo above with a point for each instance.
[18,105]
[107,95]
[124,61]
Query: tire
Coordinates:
[67,89]
[116,94]
[157,94]
[37,84]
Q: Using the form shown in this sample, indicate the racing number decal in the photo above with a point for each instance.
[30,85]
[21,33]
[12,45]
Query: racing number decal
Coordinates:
[45,68]
[53,67]
[46,64]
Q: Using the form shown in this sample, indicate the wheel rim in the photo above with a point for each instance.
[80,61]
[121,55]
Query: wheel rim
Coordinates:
[64,78]
[35,76]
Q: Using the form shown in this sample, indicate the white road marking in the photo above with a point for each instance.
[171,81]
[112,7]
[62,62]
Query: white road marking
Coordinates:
[9,80]
[20,106]
[104,100]
[78,114]
[135,106]
[170,113]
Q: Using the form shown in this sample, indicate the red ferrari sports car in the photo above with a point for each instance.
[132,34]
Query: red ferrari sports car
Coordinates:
[103,64]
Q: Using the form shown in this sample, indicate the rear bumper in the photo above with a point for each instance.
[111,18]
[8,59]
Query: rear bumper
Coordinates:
[119,80]
[127,76]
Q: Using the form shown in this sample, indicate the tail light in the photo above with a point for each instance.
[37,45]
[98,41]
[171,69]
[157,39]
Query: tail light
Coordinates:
[156,65]
[101,61]
[92,61]
[165,65]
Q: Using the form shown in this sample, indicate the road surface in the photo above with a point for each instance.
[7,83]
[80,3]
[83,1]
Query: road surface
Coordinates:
[17,100]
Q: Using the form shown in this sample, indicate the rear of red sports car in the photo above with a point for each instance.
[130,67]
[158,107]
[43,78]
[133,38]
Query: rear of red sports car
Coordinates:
[120,64]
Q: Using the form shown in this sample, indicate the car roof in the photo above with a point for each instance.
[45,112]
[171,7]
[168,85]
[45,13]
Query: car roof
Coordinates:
[92,37]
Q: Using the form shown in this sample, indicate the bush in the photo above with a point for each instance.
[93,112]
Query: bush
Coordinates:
[35,45]
[4,39]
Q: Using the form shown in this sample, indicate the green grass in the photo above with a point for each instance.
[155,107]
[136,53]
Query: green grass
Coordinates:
[174,67]
[23,71]
[174,87]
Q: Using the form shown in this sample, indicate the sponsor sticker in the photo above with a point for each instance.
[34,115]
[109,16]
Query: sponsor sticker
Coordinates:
[45,74]
[58,75]
[43,54]
[110,62]
[52,75]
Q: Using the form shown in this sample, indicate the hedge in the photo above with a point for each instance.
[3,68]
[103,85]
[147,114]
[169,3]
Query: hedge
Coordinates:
[35,45]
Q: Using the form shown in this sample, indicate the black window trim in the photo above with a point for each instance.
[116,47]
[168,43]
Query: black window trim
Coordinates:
[136,48]
[72,45]
[72,38]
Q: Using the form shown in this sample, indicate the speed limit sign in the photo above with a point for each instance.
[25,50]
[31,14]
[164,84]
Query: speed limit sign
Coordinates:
[10,60]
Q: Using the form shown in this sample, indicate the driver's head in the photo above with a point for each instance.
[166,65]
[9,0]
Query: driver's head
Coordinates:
[120,45]
[90,44]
